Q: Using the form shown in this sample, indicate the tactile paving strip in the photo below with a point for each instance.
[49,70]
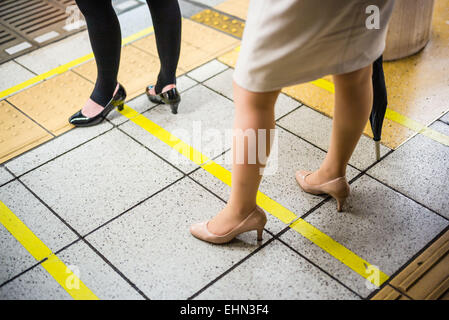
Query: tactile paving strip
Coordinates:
[18,133]
[221,22]
[137,70]
[389,293]
[195,50]
[238,8]
[427,277]
[51,103]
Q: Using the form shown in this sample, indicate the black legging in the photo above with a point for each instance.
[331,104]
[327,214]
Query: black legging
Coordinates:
[105,38]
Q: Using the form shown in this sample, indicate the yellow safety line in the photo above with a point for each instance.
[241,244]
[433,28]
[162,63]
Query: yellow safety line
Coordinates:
[54,266]
[396,117]
[325,242]
[67,66]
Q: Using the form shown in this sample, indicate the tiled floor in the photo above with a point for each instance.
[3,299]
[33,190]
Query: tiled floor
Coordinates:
[114,203]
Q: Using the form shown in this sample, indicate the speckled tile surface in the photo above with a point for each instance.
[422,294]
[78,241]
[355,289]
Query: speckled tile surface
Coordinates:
[316,128]
[53,233]
[378,224]
[54,148]
[419,169]
[207,70]
[193,124]
[35,284]
[5,176]
[56,54]
[94,183]
[16,74]
[96,274]
[259,278]
[167,257]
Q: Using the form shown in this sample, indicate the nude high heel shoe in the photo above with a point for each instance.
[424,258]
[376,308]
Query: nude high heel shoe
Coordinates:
[255,221]
[337,188]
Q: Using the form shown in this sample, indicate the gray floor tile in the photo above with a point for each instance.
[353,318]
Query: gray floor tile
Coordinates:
[207,70]
[92,184]
[36,284]
[316,128]
[54,148]
[98,276]
[222,83]
[14,258]
[188,9]
[5,176]
[379,225]
[202,121]
[140,104]
[16,74]
[135,20]
[445,118]
[184,83]
[153,247]
[293,154]
[419,169]
[56,54]
[277,273]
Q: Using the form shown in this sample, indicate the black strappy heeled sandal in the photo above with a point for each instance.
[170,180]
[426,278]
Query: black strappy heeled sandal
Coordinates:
[171,97]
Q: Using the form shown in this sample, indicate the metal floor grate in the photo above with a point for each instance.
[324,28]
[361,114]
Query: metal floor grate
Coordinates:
[29,24]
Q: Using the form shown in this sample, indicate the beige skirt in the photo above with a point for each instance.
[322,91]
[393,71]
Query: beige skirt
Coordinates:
[287,42]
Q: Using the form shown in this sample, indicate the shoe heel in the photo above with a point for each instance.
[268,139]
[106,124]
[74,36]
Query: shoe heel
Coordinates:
[120,107]
[259,234]
[174,107]
[340,203]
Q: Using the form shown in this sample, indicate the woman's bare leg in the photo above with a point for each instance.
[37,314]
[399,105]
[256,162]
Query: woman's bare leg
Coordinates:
[253,111]
[353,103]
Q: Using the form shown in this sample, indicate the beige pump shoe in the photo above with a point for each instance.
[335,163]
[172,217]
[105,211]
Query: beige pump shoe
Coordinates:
[337,188]
[255,221]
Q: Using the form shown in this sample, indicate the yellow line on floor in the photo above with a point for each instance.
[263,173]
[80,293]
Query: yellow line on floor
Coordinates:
[396,117]
[67,66]
[325,242]
[54,266]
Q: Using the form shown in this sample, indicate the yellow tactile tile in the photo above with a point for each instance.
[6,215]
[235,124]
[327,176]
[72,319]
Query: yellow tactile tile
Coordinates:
[389,293]
[230,58]
[418,85]
[427,277]
[18,133]
[220,21]
[238,8]
[52,102]
[137,70]
[199,45]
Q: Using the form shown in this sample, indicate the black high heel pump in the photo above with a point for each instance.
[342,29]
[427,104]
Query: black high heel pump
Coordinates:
[117,101]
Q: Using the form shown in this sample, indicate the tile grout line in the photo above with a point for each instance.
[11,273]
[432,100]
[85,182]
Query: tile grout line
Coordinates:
[77,234]
[27,116]
[259,248]
[276,237]
[405,265]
